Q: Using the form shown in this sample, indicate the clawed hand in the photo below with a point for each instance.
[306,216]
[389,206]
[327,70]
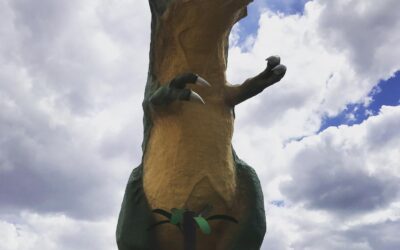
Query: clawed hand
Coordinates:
[253,86]
[234,95]
[175,90]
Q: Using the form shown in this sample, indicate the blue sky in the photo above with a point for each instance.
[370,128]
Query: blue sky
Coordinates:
[386,92]
[332,152]
[249,25]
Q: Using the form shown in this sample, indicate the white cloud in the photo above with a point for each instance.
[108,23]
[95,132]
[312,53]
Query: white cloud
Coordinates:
[347,170]
[366,32]
[72,81]
[355,170]
[322,79]
[71,84]
[340,188]
[56,232]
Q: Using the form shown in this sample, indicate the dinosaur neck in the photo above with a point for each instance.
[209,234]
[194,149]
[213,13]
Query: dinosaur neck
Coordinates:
[192,36]
[202,53]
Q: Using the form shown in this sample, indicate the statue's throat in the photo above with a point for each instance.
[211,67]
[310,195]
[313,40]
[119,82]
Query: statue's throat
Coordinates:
[193,37]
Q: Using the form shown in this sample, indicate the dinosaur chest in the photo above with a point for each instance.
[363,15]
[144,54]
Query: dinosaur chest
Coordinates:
[188,159]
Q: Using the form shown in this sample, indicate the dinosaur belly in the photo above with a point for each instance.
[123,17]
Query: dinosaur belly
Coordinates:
[188,161]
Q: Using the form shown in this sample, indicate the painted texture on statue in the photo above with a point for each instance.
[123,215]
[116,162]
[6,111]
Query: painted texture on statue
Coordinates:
[188,160]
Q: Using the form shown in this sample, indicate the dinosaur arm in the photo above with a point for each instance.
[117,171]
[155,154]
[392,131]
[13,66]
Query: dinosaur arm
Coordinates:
[274,72]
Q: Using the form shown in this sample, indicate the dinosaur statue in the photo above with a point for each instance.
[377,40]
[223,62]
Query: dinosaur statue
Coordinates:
[188,160]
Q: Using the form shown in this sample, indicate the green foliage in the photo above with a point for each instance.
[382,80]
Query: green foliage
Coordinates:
[177,216]
[203,224]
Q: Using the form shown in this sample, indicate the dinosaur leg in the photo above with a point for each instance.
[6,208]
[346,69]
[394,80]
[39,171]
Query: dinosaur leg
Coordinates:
[135,217]
[249,211]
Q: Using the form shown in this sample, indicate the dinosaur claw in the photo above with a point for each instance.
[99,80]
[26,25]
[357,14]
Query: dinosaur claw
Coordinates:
[273,60]
[279,70]
[201,81]
[196,97]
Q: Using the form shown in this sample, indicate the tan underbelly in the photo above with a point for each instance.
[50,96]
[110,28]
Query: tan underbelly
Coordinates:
[188,161]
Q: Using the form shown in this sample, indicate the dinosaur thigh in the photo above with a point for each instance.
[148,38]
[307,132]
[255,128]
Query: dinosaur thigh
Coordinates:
[135,217]
[248,209]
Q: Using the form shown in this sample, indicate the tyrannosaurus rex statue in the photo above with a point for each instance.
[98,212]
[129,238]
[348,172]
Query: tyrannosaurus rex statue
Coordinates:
[188,161]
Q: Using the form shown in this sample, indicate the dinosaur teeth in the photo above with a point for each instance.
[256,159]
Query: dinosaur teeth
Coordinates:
[196,97]
[202,81]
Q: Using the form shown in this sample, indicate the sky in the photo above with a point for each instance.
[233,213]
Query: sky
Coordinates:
[324,141]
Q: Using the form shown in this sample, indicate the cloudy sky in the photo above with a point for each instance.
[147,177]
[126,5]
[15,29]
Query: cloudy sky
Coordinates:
[324,141]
